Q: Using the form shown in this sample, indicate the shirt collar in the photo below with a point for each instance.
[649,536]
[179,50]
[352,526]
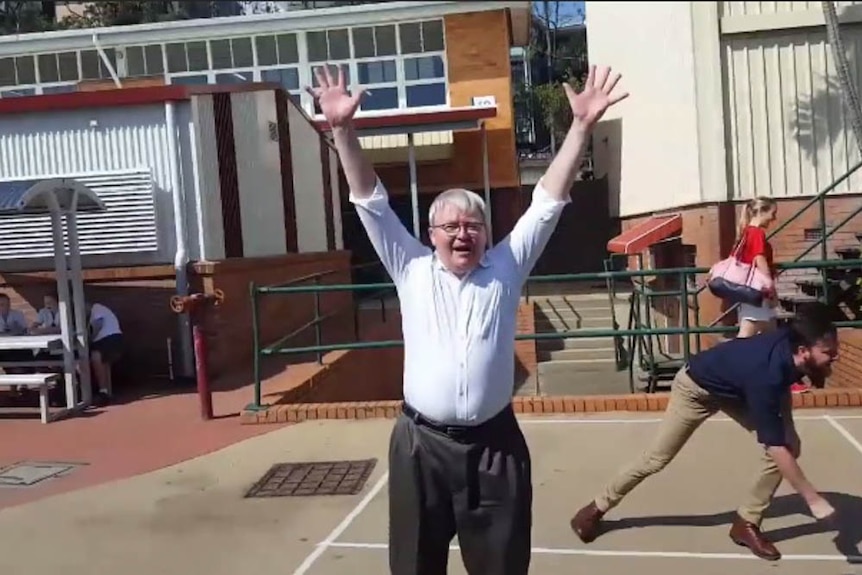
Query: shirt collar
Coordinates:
[484,262]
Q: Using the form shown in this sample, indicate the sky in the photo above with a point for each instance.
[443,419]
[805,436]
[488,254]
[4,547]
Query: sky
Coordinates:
[570,12]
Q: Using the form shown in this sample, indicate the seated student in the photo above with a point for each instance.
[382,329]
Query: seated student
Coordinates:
[48,320]
[106,347]
[12,322]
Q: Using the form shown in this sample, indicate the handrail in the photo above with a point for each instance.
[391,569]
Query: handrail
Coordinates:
[634,330]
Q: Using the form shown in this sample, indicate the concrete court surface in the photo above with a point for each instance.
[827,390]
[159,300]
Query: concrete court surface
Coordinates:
[192,517]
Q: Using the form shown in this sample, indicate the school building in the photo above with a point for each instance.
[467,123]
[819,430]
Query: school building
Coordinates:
[216,168]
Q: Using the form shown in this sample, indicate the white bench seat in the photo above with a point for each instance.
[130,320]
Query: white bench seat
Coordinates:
[41,380]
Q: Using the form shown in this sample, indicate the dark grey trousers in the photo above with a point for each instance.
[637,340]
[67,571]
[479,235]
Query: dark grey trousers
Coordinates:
[473,482]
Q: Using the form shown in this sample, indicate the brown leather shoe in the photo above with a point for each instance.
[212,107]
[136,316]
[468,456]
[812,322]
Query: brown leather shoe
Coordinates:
[748,535]
[586,522]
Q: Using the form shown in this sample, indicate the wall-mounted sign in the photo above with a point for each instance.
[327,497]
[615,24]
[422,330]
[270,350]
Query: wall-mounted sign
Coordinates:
[484,101]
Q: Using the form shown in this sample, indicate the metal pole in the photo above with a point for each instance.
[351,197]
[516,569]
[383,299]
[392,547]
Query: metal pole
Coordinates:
[414,187]
[487,179]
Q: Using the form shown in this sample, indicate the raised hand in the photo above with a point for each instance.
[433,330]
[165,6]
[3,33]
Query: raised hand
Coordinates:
[337,105]
[590,104]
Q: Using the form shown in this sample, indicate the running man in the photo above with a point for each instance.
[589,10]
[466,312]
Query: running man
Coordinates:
[748,379]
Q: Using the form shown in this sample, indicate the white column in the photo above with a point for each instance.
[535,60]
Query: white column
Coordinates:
[62,272]
[487,179]
[414,186]
[81,323]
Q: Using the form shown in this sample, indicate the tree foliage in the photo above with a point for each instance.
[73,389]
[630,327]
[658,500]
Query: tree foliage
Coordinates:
[124,13]
[23,17]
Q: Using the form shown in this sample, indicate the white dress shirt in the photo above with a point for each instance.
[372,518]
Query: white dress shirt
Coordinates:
[459,334]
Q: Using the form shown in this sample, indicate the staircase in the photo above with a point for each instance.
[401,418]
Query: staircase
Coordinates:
[577,365]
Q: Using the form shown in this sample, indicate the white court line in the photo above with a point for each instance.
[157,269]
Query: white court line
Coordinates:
[537,420]
[345,523]
[843,431]
[638,554]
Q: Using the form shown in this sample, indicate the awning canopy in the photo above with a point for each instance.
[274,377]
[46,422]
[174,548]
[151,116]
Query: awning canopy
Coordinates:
[650,231]
[390,124]
[34,197]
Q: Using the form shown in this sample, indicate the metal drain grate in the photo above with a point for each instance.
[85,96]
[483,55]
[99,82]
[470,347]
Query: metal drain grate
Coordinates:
[313,478]
[29,473]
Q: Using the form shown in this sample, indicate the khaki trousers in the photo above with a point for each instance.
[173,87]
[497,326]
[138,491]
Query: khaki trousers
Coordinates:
[689,406]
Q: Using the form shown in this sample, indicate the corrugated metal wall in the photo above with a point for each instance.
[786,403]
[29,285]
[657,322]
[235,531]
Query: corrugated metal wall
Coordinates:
[91,144]
[787,130]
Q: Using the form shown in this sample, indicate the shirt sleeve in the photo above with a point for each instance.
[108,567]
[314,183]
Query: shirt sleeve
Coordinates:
[531,233]
[393,244]
[755,244]
[764,408]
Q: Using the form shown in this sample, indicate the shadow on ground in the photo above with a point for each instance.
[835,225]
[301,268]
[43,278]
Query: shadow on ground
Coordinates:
[847,525]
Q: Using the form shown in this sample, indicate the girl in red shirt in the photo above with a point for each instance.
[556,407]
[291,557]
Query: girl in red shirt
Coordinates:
[756,217]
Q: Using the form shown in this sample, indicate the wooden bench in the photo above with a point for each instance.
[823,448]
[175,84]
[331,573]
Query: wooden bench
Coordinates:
[41,380]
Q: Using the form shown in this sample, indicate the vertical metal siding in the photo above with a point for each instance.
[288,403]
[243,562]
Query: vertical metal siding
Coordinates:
[787,130]
[91,144]
[757,8]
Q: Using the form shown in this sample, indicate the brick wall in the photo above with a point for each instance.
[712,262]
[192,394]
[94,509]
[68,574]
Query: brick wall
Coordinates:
[377,374]
[847,370]
[709,233]
[228,328]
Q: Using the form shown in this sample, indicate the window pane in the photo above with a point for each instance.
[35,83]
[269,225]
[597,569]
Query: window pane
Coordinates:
[380,99]
[288,53]
[432,36]
[234,77]
[316,46]
[423,68]
[339,45]
[385,40]
[287,77]
[426,95]
[68,63]
[135,65]
[197,52]
[242,53]
[266,54]
[376,72]
[155,63]
[90,64]
[18,93]
[26,69]
[363,42]
[48,71]
[220,51]
[189,80]
[177,57]
[334,71]
[7,72]
[111,54]
[411,41]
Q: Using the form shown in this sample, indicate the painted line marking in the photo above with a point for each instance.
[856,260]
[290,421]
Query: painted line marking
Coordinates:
[843,431]
[637,554]
[342,527]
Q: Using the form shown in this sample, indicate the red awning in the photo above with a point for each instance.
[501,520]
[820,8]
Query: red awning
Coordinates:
[643,235]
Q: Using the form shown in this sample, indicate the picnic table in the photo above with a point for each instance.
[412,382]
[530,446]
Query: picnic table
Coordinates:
[53,344]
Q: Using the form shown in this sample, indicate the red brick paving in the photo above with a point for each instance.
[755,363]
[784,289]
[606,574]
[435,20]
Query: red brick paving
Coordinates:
[122,440]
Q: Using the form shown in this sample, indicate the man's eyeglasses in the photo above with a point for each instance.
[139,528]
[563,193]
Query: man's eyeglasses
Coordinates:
[472,228]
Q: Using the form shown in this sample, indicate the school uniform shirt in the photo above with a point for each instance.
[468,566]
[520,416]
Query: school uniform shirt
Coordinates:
[14,321]
[110,323]
[48,318]
[459,334]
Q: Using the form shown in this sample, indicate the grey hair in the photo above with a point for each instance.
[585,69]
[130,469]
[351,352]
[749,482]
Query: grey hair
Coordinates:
[463,200]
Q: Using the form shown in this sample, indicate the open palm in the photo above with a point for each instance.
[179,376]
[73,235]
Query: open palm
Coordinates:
[337,105]
[590,104]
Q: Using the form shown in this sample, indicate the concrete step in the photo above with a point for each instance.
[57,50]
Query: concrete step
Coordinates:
[576,366]
[586,353]
[574,343]
[544,325]
[565,312]
[574,382]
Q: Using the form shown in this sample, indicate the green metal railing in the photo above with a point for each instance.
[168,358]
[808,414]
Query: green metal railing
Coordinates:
[820,200]
[636,330]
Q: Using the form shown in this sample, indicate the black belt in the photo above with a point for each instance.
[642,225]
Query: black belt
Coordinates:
[453,431]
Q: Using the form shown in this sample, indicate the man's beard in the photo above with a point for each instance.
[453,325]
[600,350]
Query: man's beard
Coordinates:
[817,375]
